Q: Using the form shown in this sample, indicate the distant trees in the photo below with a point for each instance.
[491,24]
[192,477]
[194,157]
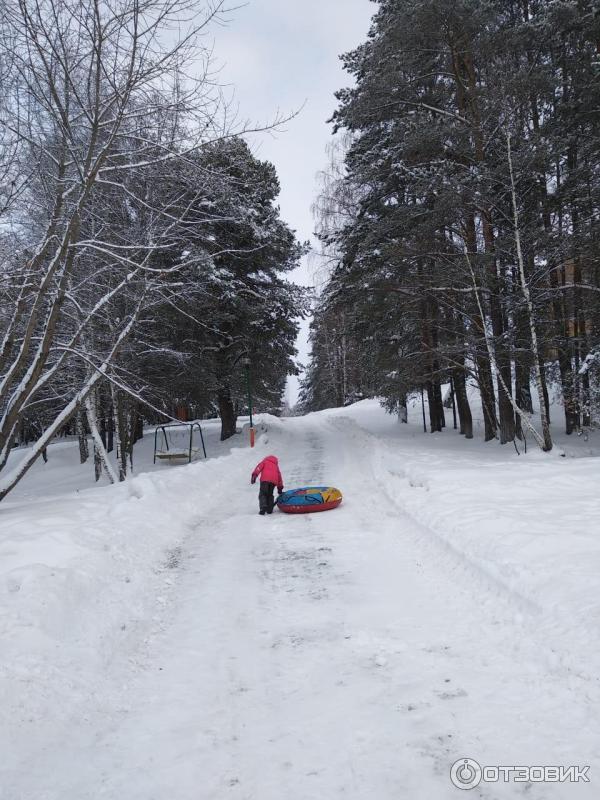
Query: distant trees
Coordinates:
[472,254]
[126,203]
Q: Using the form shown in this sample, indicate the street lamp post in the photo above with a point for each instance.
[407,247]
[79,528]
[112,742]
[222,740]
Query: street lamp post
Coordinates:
[249,387]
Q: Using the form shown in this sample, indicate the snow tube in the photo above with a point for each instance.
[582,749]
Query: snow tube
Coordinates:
[309,499]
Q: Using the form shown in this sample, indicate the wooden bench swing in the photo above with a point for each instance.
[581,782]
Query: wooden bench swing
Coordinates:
[164,449]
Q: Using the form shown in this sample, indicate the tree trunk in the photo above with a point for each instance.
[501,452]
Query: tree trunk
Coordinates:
[462,403]
[101,457]
[135,423]
[103,430]
[523,387]
[484,367]
[139,424]
[559,314]
[439,403]
[84,452]
[436,407]
[402,409]
[122,432]
[540,378]
[488,398]
[110,443]
[227,414]
[453,403]
[506,414]
[522,392]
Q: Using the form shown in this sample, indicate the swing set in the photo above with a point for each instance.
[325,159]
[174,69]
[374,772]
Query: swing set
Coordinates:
[176,442]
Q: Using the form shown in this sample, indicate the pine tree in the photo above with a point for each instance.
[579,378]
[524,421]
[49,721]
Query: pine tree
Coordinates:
[473,156]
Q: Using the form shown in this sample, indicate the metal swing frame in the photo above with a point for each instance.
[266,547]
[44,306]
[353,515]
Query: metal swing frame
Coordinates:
[173,456]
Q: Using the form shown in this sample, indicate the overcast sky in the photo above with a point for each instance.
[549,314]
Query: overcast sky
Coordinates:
[281,56]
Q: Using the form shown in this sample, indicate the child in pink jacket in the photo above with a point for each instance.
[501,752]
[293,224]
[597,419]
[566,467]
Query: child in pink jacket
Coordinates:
[270,477]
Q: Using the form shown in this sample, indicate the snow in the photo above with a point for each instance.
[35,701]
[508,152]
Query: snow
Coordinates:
[63,473]
[161,641]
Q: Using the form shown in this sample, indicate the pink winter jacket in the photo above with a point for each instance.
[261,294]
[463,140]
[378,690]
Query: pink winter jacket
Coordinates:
[268,469]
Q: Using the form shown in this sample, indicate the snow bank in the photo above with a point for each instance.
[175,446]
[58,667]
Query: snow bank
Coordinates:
[527,526]
[63,473]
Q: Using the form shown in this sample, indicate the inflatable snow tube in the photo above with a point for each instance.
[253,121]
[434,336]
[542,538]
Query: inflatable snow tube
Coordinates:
[309,499]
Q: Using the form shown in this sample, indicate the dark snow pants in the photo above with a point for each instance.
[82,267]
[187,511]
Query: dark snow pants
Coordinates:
[266,501]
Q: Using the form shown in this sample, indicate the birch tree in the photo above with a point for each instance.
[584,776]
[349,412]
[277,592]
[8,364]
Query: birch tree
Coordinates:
[94,98]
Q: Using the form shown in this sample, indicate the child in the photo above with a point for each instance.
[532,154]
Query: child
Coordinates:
[270,477]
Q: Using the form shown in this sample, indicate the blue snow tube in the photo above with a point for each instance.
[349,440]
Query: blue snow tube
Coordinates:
[309,499]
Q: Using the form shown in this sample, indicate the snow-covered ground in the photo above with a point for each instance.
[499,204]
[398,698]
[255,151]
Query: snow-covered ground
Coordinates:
[63,473]
[161,641]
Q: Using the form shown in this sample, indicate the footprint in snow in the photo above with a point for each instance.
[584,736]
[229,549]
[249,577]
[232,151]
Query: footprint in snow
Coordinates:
[452,695]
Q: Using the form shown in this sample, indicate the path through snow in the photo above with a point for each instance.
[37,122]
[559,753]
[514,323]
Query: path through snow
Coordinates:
[341,655]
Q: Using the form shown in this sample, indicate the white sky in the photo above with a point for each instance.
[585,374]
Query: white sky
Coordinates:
[280,56]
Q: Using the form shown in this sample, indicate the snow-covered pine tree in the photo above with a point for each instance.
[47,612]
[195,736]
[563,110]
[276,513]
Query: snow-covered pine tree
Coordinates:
[488,261]
[233,302]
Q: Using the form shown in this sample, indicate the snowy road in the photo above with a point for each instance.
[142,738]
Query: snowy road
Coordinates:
[337,655]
